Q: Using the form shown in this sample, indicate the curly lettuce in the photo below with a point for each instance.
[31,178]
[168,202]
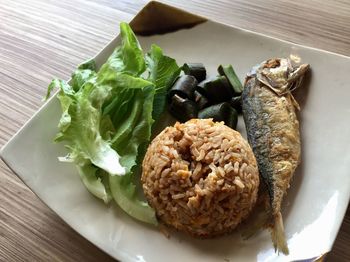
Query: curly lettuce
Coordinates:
[107,118]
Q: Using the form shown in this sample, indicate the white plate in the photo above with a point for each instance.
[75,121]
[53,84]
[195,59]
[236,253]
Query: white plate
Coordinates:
[316,203]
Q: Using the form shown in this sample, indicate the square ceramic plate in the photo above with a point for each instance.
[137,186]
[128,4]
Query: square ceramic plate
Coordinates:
[316,202]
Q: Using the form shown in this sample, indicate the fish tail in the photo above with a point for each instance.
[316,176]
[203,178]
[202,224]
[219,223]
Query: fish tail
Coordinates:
[277,235]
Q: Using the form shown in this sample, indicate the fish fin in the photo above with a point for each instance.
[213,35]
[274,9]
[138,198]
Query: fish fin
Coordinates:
[277,235]
[295,102]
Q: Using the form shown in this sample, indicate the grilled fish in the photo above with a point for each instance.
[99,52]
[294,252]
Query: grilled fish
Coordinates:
[269,111]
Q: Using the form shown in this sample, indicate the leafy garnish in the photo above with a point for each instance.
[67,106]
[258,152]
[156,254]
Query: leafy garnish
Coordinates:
[107,118]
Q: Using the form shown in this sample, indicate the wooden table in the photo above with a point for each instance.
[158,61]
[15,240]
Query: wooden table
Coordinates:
[40,39]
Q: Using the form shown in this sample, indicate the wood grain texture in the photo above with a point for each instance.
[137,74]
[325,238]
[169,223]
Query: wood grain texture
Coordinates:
[41,39]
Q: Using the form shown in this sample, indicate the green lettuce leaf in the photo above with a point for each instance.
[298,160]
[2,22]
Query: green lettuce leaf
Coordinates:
[80,126]
[95,180]
[88,64]
[107,119]
[84,72]
[163,72]
[128,58]
[80,77]
[130,111]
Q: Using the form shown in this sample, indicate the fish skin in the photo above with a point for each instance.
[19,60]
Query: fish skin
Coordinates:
[269,112]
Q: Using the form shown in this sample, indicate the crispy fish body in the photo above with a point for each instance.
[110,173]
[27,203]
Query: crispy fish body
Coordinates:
[273,131]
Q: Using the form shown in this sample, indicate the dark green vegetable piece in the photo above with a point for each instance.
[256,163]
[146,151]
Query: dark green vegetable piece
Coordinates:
[202,83]
[220,112]
[182,109]
[231,77]
[218,90]
[236,103]
[184,87]
[200,86]
[195,69]
[200,99]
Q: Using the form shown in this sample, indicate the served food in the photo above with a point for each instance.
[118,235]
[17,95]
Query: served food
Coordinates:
[273,131]
[201,177]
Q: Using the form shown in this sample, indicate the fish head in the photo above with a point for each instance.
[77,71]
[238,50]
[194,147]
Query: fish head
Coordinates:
[282,75]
